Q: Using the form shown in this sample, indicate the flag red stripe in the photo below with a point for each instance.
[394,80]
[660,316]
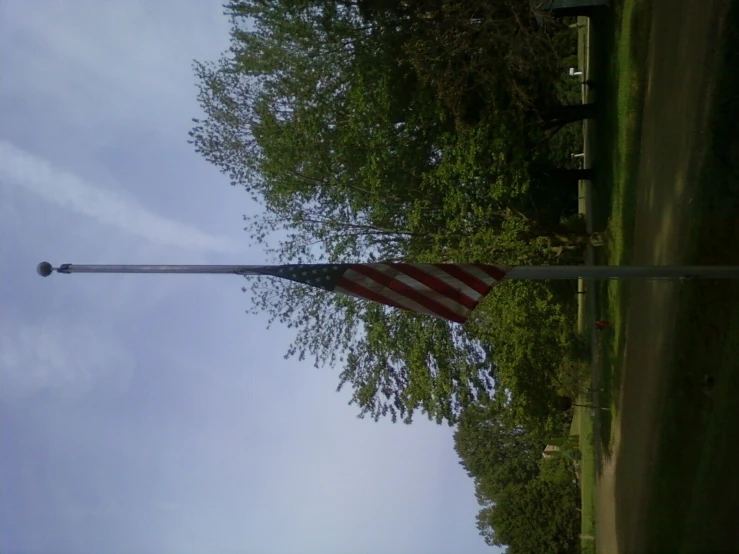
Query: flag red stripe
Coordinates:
[494,271]
[407,291]
[436,284]
[359,290]
[461,275]
[395,298]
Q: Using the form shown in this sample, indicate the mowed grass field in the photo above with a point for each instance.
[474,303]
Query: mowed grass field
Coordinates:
[697,477]
[583,425]
[693,489]
[621,51]
[617,48]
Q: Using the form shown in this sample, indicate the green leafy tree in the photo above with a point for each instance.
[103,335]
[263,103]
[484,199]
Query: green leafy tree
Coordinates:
[559,469]
[495,452]
[534,337]
[485,55]
[539,516]
[528,502]
[320,111]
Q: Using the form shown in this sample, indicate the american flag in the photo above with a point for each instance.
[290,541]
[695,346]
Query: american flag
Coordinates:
[448,291]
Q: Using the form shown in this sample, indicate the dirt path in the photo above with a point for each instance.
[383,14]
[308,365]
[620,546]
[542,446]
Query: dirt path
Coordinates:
[681,51]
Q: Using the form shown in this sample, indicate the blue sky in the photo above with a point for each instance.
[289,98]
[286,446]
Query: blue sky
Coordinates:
[150,414]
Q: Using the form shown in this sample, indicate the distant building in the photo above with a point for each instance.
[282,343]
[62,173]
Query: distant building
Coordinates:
[549,450]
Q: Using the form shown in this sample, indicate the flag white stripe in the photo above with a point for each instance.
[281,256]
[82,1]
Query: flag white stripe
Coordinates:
[479,274]
[423,289]
[442,275]
[436,296]
[408,305]
[382,290]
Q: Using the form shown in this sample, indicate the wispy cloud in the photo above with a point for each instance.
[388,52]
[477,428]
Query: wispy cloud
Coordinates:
[67,358]
[87,51]
[67,190]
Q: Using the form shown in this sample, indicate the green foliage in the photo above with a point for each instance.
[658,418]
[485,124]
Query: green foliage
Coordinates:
[494,452]
[528,502]
[558,469]
[427,131]
[535,345]
[359,144]
[539,516]
[476,54]
[407,362]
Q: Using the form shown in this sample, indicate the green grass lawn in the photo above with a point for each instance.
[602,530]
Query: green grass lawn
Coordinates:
[696,493]
[588,473]
[618,49]
[694,503]
[617,146]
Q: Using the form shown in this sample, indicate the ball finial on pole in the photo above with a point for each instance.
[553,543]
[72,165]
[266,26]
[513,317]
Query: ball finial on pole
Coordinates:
[44,269]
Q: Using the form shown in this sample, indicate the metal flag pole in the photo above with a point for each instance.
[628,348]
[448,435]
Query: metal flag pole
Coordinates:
[45,269]
[521,272]
[624,272]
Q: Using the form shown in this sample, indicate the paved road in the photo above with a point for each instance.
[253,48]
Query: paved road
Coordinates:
[683,39]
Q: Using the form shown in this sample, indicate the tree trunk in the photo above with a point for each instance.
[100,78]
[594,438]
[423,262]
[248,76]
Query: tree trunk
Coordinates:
[557,116]
[563,239]
[560,176]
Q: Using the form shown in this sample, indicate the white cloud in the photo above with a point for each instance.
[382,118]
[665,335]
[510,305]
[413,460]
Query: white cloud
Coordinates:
[69,359]
[126,62]
[67,190]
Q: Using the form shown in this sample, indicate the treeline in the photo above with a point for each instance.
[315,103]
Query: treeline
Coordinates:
[530,503]
[423,131]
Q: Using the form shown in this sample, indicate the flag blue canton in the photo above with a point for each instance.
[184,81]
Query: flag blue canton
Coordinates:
[324,276]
